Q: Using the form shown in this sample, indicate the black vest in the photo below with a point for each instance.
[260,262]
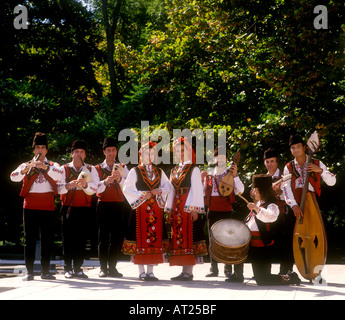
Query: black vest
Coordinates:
[268,231]
[143,182]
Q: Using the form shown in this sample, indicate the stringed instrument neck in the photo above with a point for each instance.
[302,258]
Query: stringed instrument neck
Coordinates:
[306,185]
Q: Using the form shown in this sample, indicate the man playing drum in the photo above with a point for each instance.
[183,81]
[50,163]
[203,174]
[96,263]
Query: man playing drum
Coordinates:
[262,224]
[220,207]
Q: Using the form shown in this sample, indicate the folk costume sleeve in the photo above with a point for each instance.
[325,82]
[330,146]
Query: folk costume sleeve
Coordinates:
[287,190]
[164,190]
[328,177]
[16,175]
[134,197]
[239,187]
[61,185]
[93,185]
[266,215]
[195,200]
[169,204]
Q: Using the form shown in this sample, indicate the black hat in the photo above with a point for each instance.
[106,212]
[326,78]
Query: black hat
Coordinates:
[294,139]
[40,139]
[109,142]
[270,153]
[262,181]
[78,144]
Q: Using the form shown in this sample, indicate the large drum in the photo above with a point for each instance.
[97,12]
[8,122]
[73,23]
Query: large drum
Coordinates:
[229,241]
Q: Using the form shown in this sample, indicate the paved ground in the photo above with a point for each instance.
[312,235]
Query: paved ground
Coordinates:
[206,289]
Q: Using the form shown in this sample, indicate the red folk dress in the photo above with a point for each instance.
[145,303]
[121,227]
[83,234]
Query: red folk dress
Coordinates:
[147,219]
[187,245]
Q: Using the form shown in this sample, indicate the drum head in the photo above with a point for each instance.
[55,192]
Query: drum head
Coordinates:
[230,232]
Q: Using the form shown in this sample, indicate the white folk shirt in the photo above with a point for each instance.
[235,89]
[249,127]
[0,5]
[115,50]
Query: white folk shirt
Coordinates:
[101,186]
[328,177]
[137,197]
[268,215]
[238,185]
[91,186]
[41,184]
[195,198]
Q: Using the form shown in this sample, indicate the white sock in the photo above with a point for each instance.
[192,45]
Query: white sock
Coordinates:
[150,270]
[141,269]
[189,270]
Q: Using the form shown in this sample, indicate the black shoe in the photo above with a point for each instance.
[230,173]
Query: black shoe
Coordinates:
[28,277]
[114,273]
[237,278]
[183,277]
[142,276]
[294,279]
[47,276]
[151,277]
[80,275]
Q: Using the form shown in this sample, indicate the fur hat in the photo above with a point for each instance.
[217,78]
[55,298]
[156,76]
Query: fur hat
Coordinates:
[109,142]
[262,181]
[78,144]
[270,153]
[40,139]
[294,139]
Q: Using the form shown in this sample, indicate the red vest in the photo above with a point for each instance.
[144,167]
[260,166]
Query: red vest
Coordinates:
[314,180]
[80,198]
[217,203]
[112,192]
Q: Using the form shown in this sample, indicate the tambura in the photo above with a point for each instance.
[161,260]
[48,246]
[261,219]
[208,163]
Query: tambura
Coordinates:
[229,241]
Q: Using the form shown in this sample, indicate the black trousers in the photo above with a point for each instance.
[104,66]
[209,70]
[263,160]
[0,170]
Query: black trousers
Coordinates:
[74,226]
[111,229]
[284,241]
[261,258]
[38,224]
[213,217]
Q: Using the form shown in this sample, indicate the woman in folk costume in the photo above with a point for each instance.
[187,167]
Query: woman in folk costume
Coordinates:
[262,224]
[183,206]
[146,189]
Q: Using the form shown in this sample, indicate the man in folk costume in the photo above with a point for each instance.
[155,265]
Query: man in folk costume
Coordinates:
[184,204]
[292,189]
[286,221]
[39,189]
[261,222]
[299,167]
[79,182]
[146,188]
[220,207]
[110,209]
